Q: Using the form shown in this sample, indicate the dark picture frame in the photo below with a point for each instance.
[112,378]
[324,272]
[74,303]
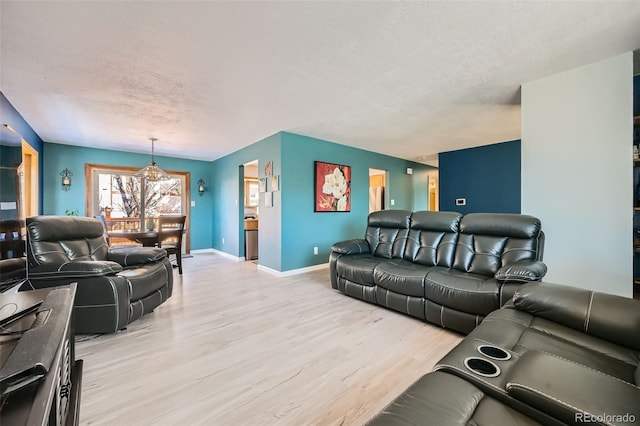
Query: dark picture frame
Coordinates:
[332,187]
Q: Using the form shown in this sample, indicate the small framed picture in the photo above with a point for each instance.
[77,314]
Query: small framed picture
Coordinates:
[262,184]
[268,199]
[275,183]
[268,168]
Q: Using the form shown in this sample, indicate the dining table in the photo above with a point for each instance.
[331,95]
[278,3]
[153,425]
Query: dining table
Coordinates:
[146,238]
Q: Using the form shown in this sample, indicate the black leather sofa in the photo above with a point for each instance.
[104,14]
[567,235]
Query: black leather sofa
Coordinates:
[115,285]
[553,355]
[442,267]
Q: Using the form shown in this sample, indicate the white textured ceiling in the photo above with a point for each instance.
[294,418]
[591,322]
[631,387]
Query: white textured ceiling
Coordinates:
[408,79]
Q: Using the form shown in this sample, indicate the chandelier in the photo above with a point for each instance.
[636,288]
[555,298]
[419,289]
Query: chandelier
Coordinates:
[152,172]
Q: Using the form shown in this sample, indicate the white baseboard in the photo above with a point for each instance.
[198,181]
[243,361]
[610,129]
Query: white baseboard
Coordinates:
[262,267]
[293,271]
[221,253]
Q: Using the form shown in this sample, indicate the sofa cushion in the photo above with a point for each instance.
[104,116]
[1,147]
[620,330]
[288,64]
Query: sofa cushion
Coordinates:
[432,238]
[357,268]
[488,241]
[387,242]
[479,254]
[387,232]
[471,293]
[443,399]
[401,276]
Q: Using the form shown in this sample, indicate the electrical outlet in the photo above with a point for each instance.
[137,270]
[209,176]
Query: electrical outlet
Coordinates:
[193,203]
[315,250]
[393,202]
[461,201]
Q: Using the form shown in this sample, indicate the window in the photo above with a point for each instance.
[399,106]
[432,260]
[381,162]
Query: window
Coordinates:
[128,202]
[251,193]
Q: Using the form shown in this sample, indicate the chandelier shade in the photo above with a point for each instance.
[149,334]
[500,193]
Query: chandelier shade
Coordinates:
[152,173]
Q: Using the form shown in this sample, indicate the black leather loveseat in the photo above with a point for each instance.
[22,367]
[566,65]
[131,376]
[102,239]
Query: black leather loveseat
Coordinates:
[442,267]
[115,285]
[554,355]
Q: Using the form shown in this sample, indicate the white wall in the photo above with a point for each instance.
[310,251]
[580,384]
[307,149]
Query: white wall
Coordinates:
[577,130]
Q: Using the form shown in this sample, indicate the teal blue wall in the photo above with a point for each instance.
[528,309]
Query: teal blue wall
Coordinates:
[228,203]
[57,157]
[303,229]
[290,229]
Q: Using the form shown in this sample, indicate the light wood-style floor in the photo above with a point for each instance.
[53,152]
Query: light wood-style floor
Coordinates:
[239,346]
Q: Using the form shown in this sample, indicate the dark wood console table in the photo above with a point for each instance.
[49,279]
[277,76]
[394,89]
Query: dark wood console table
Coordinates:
[39,376]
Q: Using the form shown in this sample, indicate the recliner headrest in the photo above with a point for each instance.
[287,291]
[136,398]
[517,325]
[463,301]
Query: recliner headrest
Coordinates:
[63,228]
[390,219]
[501,225]
[436,221]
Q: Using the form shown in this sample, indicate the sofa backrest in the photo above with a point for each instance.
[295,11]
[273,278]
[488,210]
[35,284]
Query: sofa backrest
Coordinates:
[432,238]
[488,241]
[387,232]
[55,240]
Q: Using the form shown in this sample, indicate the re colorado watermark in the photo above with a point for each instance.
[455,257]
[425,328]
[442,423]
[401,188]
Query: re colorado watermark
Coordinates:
[604,418]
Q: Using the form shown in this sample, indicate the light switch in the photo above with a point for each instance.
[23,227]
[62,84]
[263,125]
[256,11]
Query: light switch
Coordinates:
[193,203]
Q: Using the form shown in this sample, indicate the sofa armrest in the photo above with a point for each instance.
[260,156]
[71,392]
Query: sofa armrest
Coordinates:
[131,256]
[356,246]
[78,269]
[571,392]
[13,270]
[609,317]
[521,272]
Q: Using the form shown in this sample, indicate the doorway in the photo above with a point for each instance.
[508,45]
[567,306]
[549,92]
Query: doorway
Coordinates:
[250,214]
[30,175]
[433,191]
[377,185]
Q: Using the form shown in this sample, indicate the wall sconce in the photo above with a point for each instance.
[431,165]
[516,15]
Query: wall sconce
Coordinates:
[66,179]
[200,187]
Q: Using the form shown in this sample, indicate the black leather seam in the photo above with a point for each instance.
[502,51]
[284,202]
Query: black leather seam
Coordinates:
[459,289]
[115,298]
[588,316]
[102,305]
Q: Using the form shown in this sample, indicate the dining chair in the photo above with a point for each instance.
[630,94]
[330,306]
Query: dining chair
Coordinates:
[170,231]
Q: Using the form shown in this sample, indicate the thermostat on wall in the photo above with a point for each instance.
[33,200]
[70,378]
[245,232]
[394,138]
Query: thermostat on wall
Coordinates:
[461,201]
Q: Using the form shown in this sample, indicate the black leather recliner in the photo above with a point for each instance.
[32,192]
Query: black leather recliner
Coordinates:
[115,285]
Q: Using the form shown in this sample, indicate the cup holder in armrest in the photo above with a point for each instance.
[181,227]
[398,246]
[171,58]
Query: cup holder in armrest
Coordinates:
[494,352]
[482,367]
